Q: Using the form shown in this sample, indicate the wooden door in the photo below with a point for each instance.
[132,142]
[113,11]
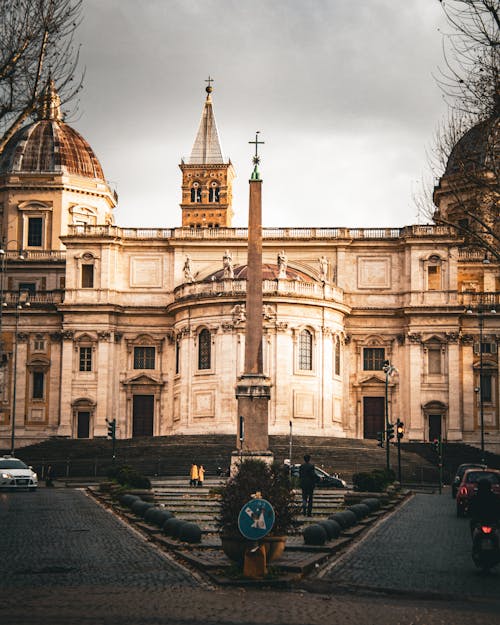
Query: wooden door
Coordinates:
[373,416]
[143,412]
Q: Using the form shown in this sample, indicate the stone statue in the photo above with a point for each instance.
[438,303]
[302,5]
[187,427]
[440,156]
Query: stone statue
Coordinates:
[323,268]
[227,263]
[188,272]
[282,264]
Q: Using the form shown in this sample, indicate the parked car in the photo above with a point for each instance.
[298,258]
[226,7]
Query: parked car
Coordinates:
[15,474]
[468,487]
[322,478]
[462,468]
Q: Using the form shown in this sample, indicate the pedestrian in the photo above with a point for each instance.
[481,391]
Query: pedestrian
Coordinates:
[307,476]
[193,475]
[49,476]
[201,475]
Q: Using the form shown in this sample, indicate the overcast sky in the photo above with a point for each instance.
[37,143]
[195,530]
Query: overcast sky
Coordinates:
[342,92]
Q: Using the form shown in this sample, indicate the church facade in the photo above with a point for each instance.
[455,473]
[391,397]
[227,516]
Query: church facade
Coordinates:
[147,326]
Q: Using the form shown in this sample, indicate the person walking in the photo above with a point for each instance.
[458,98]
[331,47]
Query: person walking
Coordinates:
[193,475]
[307,477]
[201,475]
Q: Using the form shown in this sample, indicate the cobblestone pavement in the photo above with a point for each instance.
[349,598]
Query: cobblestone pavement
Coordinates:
[422,548]
[66,561]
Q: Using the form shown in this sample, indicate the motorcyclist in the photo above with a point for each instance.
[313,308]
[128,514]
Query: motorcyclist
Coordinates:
[484,507]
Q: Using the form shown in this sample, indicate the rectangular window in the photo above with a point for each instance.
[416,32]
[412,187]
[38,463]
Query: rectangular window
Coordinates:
[87,276]
[38,384]
[434,360]
[85,358]
[144,357]
[434,278]
[373,358]
[35,231]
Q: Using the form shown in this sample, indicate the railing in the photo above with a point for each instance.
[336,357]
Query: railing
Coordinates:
[269,287]
[267,233]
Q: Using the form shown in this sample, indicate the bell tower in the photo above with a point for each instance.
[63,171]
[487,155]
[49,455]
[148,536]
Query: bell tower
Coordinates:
[207,180]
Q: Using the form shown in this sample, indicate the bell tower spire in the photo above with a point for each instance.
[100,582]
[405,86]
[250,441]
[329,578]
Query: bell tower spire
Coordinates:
[207,180]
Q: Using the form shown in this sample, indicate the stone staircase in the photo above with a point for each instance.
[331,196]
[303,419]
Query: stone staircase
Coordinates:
[200,505]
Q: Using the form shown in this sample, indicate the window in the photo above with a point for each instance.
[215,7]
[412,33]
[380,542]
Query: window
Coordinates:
[196,193]
[213,193]
[35,231]
[336,367]
[434,278]
[204,350]
[144,357]
[486,387]
[373,358]
[305,350]
[85,358]
[87,276]
[38,384]
[177,356]
[434,360]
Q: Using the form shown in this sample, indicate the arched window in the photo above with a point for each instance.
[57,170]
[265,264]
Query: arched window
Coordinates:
[336,357]
[204,349]
[305,350]
[213,192]
[196,193]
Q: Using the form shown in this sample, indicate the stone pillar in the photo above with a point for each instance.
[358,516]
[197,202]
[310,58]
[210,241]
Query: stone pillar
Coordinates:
[253,390]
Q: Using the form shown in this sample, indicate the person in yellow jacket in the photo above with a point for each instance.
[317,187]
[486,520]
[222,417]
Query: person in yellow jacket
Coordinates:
[201,475]
[193,475]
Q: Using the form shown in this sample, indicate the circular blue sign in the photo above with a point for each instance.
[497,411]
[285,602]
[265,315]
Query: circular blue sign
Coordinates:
[256,519]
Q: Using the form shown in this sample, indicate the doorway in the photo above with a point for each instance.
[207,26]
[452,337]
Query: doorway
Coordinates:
[142,418]
[83,424]
[373,416]
[434,427]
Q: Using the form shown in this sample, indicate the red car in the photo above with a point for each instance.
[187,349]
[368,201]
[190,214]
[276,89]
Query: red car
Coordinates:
[468,487]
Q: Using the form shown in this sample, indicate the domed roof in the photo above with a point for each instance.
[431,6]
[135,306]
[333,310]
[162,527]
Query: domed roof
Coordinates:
[48,145]
[479,148]
[269,272]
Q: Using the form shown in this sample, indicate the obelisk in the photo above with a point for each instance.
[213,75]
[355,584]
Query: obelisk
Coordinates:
[253,389]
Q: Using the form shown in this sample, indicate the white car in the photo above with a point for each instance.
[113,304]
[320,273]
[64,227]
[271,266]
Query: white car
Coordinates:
[15,474]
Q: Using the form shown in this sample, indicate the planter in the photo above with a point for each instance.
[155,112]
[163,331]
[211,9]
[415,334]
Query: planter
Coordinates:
[235,546]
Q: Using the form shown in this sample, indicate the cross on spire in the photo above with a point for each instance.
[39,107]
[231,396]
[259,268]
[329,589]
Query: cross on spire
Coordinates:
[256,157]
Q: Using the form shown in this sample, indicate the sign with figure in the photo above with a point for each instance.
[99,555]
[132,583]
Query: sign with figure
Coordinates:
[256,519]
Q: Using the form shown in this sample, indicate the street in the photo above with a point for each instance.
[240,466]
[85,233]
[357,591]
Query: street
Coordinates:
[66,560]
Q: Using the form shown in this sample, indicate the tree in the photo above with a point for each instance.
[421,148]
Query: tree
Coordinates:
[36,44]
[466,145]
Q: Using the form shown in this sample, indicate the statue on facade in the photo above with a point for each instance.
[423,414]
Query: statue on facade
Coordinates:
[282,264]
[188,271]
[323,268]
[227,263]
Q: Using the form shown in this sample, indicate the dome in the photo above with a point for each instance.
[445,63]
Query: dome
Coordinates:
[477,149]
[48,145]
[269,272]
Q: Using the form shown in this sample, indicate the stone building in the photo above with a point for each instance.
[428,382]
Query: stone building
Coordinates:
[147,325]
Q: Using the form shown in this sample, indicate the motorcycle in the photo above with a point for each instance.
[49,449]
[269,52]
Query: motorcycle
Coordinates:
[485,546]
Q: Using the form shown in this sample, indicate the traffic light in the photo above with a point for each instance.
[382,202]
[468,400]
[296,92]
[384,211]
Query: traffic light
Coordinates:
[380,438]
[390,431]
[111,428]
[400,429]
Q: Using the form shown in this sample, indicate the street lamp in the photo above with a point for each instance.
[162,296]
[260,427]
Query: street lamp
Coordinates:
[389,370]
[481,310]
[22,302]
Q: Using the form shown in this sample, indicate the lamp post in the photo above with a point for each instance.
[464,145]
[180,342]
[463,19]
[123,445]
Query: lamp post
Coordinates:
[482,308]
[388,369]
[22,301]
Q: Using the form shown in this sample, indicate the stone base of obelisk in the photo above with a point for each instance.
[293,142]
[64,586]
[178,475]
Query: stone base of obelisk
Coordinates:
[253,392]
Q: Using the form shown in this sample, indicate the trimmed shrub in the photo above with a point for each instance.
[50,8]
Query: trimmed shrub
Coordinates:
[190,533]
[315,535]
[139,507]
